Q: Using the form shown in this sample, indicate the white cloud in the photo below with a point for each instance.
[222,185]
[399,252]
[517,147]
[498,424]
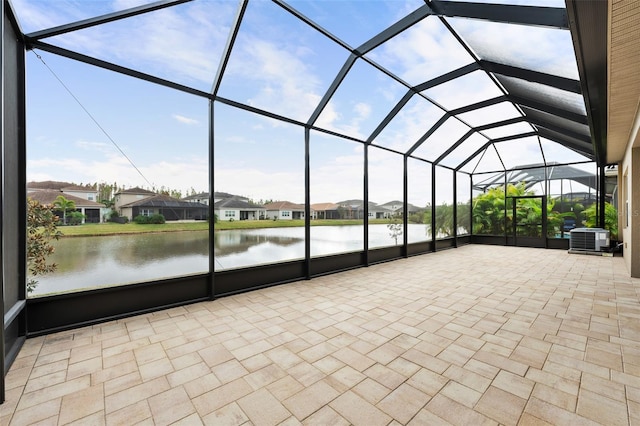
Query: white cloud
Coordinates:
[286,85]
[422,52]
[185,120]
[182,173]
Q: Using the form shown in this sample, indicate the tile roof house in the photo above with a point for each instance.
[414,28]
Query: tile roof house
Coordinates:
[354,209]
[202,198]
[93,211]
[284,210]
[238,208]
[325,211]
[169,207]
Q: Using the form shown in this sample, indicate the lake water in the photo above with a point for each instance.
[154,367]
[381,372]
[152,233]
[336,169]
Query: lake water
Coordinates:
[90,262]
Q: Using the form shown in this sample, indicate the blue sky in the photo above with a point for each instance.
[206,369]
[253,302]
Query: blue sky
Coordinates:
[278,64]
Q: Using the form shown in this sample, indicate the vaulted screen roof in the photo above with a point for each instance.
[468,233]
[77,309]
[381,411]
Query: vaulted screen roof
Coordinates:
[445,81]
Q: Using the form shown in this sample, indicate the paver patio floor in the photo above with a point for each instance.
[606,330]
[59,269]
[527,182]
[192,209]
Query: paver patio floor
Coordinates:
[470,336]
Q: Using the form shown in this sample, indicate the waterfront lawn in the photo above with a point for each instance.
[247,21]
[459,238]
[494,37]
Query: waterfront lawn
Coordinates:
[97,229]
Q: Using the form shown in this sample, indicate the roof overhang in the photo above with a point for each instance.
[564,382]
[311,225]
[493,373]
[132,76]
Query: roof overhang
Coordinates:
[588,26]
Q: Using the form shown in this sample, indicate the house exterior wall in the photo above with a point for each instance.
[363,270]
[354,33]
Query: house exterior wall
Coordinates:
[228,214]
[285,214]
[629,201]
[85,195]
[125,198]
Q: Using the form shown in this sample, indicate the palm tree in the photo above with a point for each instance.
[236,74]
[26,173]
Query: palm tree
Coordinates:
[64,205]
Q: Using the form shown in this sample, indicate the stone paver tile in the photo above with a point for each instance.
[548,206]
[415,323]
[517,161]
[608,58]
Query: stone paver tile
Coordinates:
[229,371]
[537,344]
[427,381]
[108,362]
[49,368]
[251,349]
[634,412]
[328,364]
[528,420]
[603,387]
[310,399]
[131,414]
[358,411]
[262,408]
[353,359]
[202,385]
[497,349]
[468,378]
[42,382]
[556,397]
[554,414]
[170,406]
[348,376]
[215,354]
[456,413]
[121,383]
[426,360]
[456,354]
[305,373]
[221,396]
[461,394]
[149,353]
[403,403]
[482,368]
[155,369]
[283,357]
[319,351]
[265,376]
[256,362]
[426,417]
[501,362]
[187,374]
[512,383]
[325,416]
[191,420]
[501,406]
[404,367]
[385,376]
[285,387]
[604,358]
[569,341]
[563,371]
[578,364]
[469,342]
[553,381]
[81,404]
[229,415]
[82,368]
[35,414]
[49,393]
[371,390]
[601,409]
[386,353]
[134,394]
[528,356]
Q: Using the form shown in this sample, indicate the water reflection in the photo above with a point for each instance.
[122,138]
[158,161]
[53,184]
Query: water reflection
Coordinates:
[89,262]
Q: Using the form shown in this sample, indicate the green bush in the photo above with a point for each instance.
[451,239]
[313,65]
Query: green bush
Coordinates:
[610,218]
[146,220]
[75,218]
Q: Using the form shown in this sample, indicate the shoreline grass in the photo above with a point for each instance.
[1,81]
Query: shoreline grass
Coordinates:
[102,229]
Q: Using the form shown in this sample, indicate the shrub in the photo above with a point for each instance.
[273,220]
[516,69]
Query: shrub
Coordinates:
[146,220]
[41,231]
[75,218]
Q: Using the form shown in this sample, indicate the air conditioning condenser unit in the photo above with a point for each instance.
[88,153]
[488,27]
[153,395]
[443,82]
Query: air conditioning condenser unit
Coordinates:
[588,240]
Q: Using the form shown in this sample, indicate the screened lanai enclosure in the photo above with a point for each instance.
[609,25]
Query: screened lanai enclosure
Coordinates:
[379,129]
